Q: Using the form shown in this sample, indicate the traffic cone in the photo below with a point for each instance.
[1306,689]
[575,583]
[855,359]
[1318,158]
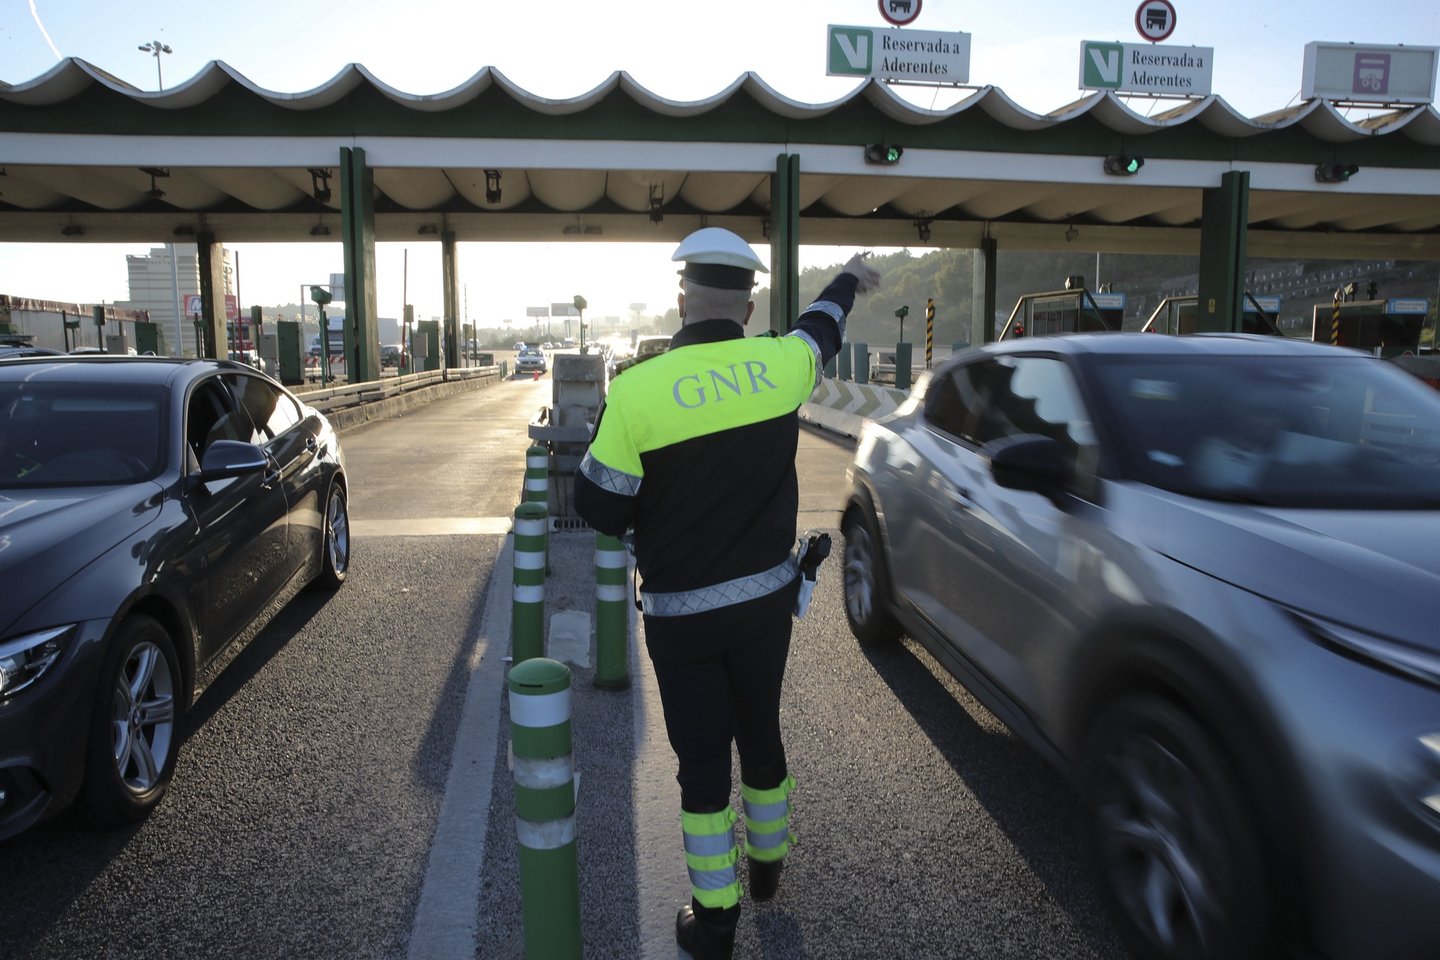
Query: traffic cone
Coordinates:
[537,375]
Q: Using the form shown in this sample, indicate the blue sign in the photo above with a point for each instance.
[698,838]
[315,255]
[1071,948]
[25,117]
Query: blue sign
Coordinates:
[1401,306]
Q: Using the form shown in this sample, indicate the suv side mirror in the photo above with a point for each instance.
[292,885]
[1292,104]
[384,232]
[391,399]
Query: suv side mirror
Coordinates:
[1029,462]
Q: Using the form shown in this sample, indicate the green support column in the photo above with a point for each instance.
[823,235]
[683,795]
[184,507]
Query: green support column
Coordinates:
[357,225]
[785,242]
[982,313]
[1225,212]
[210,331]
[450,278]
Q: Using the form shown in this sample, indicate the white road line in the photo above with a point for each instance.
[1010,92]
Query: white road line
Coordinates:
[432,527]
[445,918]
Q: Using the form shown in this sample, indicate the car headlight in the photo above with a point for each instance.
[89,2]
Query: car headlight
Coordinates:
[25,659]
[1398,658]
[1419,774]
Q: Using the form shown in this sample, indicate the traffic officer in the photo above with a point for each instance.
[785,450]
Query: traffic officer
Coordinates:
[694,454]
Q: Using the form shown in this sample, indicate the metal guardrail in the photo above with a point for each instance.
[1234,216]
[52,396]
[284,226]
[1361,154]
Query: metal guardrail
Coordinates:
[330,399]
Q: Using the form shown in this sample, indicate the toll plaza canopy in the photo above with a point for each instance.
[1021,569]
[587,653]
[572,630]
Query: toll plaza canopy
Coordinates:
[86,157]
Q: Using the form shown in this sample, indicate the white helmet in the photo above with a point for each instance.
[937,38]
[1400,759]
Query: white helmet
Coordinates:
[718,258]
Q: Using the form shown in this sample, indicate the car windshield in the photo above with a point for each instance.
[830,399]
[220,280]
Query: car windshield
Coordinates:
[1343,432]
[66,434]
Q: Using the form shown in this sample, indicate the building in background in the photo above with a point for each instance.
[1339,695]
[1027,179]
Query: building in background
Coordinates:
[153,290]
[66,326]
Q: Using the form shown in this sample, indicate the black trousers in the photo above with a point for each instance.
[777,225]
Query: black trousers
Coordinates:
[730,692]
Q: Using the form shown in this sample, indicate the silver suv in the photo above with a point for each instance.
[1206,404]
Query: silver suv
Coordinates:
[1201,575]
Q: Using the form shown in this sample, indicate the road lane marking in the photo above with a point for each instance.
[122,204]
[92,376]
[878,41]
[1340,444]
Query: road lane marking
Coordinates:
[445,919]
[431,527]
[662,885]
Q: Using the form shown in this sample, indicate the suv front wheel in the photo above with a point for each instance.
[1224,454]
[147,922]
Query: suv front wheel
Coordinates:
[1177,847]
[867,582]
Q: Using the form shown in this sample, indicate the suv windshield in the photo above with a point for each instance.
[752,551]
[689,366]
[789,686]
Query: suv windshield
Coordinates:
[56,434]
[1342,432]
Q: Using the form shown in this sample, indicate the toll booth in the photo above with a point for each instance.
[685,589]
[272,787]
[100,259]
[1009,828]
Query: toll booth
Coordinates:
[147,338]
[427,357]
[290,357]
[1062,312]
[1387,328]
[1177,316]
[578,386]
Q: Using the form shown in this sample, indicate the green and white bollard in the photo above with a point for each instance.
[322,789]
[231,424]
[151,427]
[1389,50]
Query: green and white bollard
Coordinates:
[543,767]
[612,626]
[537,486]
[527,621]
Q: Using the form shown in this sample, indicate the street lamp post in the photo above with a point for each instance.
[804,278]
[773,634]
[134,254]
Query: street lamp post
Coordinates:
[157,48]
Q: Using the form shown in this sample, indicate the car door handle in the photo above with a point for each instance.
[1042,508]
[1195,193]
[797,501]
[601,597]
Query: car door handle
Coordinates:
[960,497]
[312,444]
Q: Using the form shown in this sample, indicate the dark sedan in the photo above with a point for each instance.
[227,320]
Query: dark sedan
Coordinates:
[1202,575]
[155,514]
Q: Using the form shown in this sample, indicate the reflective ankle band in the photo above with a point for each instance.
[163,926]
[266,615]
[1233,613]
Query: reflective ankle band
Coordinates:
[767,821]
[710,857]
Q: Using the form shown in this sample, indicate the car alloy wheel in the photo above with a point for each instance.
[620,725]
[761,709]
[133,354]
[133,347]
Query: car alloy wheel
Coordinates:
[1177,849]
[133,739]
[335,545]
[865,582]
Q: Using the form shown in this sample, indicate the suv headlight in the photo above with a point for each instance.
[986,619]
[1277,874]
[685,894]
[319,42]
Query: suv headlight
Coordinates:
[1410,662]
[25,659]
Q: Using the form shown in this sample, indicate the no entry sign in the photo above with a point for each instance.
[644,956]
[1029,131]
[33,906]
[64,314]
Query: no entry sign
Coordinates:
[1155,20]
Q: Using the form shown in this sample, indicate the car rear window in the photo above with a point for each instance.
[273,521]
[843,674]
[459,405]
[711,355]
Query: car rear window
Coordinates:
[77,434]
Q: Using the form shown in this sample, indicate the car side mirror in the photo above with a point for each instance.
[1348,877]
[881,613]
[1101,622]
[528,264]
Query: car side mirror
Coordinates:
[231,458]
[1029,462]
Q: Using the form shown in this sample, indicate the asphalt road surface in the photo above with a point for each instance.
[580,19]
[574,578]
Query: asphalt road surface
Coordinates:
[312,777]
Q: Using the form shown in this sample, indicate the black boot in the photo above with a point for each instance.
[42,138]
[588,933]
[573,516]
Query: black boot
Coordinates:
[765,878]
[707,933]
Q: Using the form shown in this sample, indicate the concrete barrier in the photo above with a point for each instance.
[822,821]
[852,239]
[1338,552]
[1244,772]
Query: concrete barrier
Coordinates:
[349,417]
[842,406]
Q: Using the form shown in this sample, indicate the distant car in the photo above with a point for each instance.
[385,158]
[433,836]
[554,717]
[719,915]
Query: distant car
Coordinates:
[392,354]
[645,348]
[529,360]
[1202,576]
[251,358]
[10,352]
[155,514]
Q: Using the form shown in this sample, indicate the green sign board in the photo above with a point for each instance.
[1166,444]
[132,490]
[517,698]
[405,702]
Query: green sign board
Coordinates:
[852,51]
[1146,68]
[922,56]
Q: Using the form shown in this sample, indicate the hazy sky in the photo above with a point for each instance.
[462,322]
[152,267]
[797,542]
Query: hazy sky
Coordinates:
[679,49]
